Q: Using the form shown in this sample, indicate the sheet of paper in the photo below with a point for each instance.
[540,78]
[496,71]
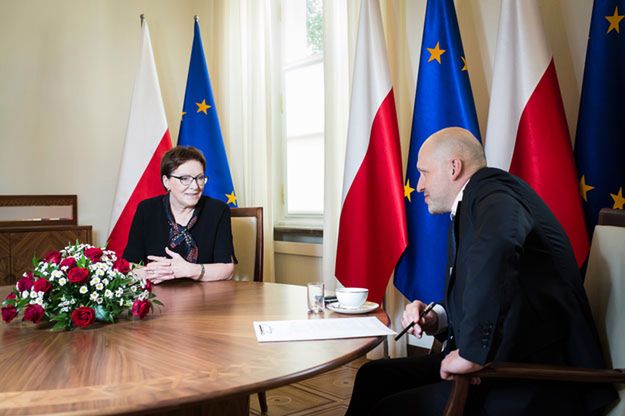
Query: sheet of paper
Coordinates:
[313,329]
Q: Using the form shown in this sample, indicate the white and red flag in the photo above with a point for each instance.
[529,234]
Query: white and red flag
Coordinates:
[372,228]
[147,139]
[527,133]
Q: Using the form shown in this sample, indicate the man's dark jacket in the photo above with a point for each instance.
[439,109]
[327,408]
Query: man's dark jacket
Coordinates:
[514,293]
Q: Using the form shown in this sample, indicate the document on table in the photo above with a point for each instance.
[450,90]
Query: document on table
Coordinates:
[313,329]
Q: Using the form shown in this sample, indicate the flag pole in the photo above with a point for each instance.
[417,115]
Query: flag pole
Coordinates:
[196,18]
[142,17]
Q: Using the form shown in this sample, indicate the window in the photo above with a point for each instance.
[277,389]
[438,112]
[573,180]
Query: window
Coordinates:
[303,111]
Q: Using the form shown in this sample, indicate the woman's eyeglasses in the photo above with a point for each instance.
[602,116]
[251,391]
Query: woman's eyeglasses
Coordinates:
[187,179]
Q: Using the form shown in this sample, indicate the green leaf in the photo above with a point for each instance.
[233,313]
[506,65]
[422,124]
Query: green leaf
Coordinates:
[102,314]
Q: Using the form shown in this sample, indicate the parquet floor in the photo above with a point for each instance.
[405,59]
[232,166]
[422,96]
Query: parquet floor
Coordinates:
[324,395]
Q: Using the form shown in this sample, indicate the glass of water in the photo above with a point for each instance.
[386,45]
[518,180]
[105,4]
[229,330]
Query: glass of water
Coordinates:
[315,297]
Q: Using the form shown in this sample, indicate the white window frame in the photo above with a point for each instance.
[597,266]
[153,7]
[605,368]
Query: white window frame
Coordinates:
[282,218]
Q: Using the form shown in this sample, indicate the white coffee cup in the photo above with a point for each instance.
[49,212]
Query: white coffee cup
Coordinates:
[352,297]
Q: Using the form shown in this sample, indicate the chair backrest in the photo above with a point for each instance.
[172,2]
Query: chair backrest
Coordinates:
[247,235]
[605,286]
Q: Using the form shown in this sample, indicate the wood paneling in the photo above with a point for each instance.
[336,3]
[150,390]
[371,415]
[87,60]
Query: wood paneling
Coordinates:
[24,243]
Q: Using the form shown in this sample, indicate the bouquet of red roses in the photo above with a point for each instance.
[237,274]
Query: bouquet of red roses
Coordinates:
[76,286]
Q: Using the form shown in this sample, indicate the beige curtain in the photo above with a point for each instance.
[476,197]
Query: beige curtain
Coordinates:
[239,56]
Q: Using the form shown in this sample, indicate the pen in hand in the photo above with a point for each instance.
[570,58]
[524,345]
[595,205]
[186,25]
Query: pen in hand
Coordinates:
[424,312]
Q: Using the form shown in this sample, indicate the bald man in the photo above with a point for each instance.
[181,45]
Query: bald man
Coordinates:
[513,293]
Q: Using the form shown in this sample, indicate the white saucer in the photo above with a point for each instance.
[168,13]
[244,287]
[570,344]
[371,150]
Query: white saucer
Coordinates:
[366,307]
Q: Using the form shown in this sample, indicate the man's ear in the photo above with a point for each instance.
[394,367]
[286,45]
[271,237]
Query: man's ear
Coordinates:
[456,168]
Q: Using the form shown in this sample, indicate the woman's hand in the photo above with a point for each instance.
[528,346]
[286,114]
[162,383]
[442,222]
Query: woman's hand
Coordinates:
[180,267]
[429,323]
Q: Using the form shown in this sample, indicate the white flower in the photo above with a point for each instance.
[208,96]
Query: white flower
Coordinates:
[65,309]
[40,294]
[105,281]
[133,289]
[100,300]
[56,274]
[121,302]
[83,290]
[62,281]
[119,292]
[94,281]
[33,294]
[99,272]
[99,286]
[108,293]
[39,301]
[74,300]
[93,296]
[25,294]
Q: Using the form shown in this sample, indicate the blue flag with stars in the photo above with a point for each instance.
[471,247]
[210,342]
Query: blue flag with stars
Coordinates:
[443,99]
[600,141]
[199,126]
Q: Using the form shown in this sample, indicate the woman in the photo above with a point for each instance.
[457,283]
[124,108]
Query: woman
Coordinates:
[182,234]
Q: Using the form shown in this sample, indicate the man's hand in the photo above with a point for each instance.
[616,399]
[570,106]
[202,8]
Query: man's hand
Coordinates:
[429,323]
[455,364]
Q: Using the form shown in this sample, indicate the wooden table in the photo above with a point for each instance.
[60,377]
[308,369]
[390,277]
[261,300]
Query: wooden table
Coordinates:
[198,351]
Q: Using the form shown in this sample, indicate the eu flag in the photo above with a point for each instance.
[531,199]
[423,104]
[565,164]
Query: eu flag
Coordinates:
[600,141]
[199,126]
[443,99]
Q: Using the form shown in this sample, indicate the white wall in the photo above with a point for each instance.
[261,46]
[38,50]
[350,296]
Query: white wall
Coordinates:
[66,75]
[67,69]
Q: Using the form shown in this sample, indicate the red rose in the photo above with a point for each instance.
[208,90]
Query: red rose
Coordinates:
[25,283]
[33,313]
[140,308]
[93,253]
[68,262]
[121,265]
[83,316]
[148,285]
[52,257]
[8,313]
[11,296]
[78,275]
[42,285]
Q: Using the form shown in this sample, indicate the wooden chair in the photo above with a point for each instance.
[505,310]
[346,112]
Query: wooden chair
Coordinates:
[604,283]
[247,235]
[247,232]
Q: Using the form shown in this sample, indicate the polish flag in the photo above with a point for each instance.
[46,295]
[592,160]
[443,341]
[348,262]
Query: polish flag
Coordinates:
[372,229]
[527,133]
[147,139]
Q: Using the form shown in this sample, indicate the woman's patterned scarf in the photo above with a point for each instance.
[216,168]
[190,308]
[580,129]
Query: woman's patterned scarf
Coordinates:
[180,239]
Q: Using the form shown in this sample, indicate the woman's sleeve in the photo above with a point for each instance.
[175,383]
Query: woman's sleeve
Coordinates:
[135,248]
[224,250]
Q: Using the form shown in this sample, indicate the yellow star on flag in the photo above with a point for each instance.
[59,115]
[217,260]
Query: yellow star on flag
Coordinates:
[464,64]
[202,107]
[436,52]
[232,199]
[619,201]
[615,21]
[408,190]
[584,188]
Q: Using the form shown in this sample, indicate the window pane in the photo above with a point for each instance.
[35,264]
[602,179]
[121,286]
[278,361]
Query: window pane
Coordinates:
[305,174]
[304,103]
[303,28]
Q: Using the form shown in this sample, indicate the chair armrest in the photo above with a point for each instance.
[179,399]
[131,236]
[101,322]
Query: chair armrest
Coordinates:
[460,387]
[551,372]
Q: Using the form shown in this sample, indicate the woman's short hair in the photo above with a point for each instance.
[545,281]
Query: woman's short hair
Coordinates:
[178,155]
